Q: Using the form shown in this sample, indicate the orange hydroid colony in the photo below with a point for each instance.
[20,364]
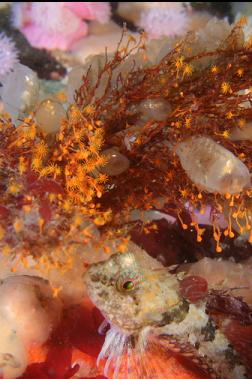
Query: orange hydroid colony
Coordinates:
[55,192]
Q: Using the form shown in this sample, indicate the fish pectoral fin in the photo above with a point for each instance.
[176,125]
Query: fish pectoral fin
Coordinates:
[185,357]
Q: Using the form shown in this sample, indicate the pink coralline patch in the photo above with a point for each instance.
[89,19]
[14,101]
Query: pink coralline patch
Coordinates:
[53,25]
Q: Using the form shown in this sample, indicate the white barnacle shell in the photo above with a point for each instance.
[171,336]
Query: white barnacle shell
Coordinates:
[212,167]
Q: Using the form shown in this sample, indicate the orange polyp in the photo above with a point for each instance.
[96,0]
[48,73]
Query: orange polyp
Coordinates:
[250,236]
[231,234]
[231,204]
[226,232]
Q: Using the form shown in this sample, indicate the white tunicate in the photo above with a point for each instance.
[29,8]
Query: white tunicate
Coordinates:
[212,167]
[156,109]
[20,90]
[244,133]
[49,115]
[153,109]
[27,303]
[116,162]
[74,82]
[28,314]
[157,49]
[93,65]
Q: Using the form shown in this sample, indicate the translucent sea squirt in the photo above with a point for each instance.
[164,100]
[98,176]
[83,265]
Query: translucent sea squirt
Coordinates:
[212,167]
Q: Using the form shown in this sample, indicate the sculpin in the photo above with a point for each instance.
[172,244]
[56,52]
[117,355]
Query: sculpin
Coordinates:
[147,312]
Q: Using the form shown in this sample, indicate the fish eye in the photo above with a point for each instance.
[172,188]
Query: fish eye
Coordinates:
[126,284]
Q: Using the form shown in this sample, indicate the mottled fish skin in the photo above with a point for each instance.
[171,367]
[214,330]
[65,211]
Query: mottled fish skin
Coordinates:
[145,308]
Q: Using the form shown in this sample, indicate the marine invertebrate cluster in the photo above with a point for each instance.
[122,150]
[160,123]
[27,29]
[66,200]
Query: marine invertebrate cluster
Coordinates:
[8,55]
[58,187]
[42,187]
[205,91]
[57,25]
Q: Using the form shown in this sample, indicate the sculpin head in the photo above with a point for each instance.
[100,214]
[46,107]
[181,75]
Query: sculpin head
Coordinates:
[132,295]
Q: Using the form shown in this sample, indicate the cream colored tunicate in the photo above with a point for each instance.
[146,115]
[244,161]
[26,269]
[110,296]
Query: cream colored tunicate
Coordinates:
[211,167]
[49,115]
[116,162]
[20,90]
[154,109]
[27,303]
[28,314]
[13,354]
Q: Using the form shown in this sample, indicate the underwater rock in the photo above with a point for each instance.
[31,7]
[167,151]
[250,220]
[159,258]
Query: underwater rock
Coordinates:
[20,90]
[49,115]
[212,167]
[116,164]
